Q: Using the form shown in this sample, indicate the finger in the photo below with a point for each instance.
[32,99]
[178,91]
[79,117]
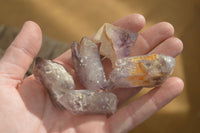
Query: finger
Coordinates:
[19,55]
[125,94]
[139,110]
[171,47]
[133,22]
[151,37]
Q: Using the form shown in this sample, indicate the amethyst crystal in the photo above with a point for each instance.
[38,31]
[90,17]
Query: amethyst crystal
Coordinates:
[54,77]
[144,71]
[87,64]
[115,41]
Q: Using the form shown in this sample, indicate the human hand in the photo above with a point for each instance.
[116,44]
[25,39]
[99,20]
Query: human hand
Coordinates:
[26,107]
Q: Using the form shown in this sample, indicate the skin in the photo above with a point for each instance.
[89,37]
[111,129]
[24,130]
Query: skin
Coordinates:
[26,107]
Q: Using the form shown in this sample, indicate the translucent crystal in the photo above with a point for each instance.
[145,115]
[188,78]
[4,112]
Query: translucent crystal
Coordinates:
[87,64]
[145,71]
[115,41]
[54,77]
[89,102]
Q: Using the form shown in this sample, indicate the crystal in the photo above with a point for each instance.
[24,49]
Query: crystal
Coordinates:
[54,77]
[87,64]
[115,42]
[142,71]
[89,102]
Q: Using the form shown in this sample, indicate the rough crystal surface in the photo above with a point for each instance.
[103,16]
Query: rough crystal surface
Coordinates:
[87,64]
[115,41]
[144,71]
[54,77]
[89,102]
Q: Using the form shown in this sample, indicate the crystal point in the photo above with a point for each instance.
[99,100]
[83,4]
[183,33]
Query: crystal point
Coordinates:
[142,71]
[115,41]
[87,64]
[54,77]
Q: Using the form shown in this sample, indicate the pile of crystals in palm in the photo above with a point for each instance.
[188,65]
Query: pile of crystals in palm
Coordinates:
[127,72]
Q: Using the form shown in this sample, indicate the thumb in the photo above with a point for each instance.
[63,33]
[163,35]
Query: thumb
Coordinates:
[20,54]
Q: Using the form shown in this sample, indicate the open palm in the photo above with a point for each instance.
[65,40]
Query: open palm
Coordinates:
[26,108]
